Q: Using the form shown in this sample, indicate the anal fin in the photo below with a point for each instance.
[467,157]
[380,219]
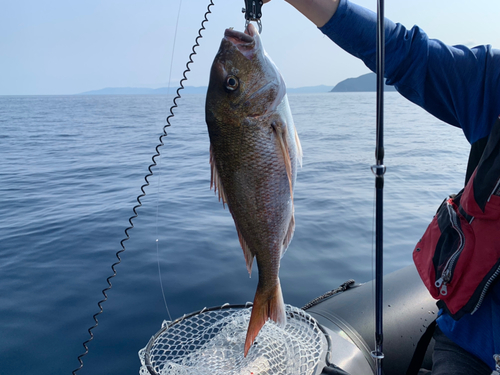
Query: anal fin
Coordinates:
[288,235]
[246,252]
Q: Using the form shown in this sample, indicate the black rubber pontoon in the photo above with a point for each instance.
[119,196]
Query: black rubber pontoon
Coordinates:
[349,319]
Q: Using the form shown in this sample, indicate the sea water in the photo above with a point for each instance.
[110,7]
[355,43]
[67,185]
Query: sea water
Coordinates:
[71,168]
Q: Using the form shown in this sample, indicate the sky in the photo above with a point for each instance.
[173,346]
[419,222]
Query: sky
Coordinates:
[62,47]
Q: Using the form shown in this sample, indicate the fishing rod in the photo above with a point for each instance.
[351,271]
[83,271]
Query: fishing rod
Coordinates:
[379,170]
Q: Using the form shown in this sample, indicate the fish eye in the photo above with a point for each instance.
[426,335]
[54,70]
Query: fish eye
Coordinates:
[232,83]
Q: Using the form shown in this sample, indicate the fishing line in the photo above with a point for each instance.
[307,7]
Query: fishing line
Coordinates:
[159,169]
[146,184]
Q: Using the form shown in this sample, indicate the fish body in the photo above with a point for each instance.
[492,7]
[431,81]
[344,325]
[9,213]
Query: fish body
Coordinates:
[254,155]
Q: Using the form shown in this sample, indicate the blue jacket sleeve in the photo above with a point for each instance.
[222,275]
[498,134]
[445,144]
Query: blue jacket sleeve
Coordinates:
[458,85]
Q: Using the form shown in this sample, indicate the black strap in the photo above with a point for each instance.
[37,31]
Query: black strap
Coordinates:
[333,370]
[476,151]
[421,349]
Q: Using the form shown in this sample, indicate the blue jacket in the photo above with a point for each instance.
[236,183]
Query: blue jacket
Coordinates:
[458,85]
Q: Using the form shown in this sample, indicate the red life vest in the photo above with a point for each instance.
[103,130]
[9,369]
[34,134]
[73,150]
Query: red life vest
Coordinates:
[458,257]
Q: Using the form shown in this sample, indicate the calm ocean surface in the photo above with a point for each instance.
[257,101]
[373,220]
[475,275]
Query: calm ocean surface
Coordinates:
[71,168]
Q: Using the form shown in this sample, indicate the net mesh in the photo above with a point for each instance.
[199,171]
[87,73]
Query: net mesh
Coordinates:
[211,341]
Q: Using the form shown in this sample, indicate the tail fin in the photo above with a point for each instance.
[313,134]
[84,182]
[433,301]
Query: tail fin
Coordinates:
[268,304]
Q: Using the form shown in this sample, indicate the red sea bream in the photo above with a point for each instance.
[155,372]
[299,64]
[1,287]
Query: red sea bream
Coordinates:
[254,154]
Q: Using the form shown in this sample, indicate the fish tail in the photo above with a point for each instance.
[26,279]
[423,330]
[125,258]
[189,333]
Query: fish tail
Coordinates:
[265,305]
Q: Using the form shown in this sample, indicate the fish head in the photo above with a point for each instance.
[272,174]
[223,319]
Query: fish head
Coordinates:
[244,82]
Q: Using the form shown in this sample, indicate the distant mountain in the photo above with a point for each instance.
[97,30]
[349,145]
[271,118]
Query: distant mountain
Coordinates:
[309,89]
[188,90]
[145,91]
[366,82]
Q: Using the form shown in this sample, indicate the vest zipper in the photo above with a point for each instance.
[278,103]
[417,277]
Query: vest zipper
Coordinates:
[489,282]
[447,273]
[485,290]
[494,190]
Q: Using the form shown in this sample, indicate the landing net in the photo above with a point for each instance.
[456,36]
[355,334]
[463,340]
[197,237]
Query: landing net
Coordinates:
[211,342]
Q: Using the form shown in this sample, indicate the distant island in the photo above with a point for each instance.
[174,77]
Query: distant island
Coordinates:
[364,83]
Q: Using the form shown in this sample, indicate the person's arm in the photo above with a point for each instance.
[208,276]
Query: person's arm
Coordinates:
[458,85]
[318,11]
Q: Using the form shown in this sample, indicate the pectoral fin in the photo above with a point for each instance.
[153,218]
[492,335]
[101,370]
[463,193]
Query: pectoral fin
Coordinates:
[280,131]
[299,148]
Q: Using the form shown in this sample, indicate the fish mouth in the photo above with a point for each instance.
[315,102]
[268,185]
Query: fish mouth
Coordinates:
[245,41]
[237,37]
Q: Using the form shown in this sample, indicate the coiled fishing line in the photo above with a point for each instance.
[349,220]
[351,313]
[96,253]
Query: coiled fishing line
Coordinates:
[146,184]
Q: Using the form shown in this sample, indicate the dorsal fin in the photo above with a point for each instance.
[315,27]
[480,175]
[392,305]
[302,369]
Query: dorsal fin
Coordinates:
[215,181]
[216,184]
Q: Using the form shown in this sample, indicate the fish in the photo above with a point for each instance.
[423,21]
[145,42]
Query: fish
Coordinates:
[254,156]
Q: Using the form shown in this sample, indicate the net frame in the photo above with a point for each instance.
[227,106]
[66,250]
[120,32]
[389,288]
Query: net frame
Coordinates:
[150,361]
